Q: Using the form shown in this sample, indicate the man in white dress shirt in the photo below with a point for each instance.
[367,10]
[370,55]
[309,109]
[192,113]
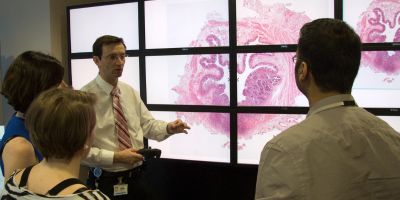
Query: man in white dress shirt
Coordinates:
[121,174]
[340,151]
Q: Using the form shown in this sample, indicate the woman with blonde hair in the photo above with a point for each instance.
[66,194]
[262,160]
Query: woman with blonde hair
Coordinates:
[61,123]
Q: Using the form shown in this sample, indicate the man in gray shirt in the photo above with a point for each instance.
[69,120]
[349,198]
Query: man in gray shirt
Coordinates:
[340,151]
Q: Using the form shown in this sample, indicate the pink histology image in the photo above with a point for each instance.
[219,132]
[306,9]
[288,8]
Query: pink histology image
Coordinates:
[380,22]
[204,80]
[264,79]
[255,134]
[376,21]
[267,79]
[263,22]
[376,78]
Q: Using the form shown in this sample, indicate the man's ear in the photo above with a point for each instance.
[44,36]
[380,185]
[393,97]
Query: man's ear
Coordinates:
[303,70]
[96,60]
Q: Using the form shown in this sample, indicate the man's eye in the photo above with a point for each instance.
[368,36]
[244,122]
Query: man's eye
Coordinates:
[116,56]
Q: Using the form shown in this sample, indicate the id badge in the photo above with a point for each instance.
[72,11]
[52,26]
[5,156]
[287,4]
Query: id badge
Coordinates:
[120,188]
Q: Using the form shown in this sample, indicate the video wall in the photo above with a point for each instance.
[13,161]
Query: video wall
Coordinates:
[225,66]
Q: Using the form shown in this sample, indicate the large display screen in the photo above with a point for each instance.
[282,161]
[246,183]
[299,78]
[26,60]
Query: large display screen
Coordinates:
[393,121]
[194,76]
[255,130]
[263,22]
[85,70]
[188,79]
[87,24]
[376,21]
[377,84]
[183,23]
[208,138]
[267,79]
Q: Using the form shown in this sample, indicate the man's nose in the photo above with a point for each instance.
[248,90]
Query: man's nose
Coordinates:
[120,60]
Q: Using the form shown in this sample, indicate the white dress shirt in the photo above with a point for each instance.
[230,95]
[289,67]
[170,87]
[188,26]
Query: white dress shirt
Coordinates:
[140,124]
[338,152]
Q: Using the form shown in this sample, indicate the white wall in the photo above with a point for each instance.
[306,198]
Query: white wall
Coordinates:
[24,25]
[38,25]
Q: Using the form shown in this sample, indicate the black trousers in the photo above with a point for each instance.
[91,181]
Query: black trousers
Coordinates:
[138,186]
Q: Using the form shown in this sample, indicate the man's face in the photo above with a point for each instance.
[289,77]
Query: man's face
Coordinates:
[111,63]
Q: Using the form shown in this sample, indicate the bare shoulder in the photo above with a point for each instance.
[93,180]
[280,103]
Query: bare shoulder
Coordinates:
[20,146]
[18,153]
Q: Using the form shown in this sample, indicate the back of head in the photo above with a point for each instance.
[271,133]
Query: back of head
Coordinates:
[105,40]
[28,75]
[60,122]
[332,50]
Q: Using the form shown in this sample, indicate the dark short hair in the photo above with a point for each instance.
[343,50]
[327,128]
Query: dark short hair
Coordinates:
[28,75]
[105,40]
[332,50]
[60,121]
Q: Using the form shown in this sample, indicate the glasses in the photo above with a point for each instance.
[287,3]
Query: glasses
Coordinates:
[115,57]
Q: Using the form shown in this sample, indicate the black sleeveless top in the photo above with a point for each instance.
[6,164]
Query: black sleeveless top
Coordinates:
[56,189]
[13,191]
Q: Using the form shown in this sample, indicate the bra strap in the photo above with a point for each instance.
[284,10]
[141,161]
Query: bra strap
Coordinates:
[64,184]
[82,189]
[24,176]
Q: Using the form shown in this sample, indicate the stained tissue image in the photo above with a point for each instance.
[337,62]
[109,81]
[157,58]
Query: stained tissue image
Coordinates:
[201,79]
[205,81]
[376,21]
[259,23]
[264,79]
[380,22]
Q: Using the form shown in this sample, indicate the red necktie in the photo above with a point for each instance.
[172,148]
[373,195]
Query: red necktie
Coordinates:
[121,125]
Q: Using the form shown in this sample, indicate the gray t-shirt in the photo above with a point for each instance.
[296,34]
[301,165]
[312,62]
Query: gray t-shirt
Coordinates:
[337,152]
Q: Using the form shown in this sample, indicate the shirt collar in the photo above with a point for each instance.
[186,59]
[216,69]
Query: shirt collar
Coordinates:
[330,102]
[106,87]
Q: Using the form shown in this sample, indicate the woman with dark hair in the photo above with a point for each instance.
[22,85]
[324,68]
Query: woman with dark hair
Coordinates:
[30,74]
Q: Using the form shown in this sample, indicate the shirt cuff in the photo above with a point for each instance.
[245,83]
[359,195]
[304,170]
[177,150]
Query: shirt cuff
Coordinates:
[107,158]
